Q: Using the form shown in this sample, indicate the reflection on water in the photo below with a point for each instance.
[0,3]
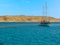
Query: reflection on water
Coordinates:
[29,34]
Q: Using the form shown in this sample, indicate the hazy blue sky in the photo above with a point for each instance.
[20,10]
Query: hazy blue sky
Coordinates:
[29,7]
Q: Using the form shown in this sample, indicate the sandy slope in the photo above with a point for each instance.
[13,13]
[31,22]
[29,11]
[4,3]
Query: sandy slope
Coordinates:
[26,19]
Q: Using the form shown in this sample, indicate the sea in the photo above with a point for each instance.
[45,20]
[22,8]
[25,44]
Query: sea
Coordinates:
[29,33]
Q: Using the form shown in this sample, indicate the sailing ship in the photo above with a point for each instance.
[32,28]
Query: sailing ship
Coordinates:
[44,20]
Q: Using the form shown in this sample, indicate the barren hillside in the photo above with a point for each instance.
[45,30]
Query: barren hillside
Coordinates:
[26,19]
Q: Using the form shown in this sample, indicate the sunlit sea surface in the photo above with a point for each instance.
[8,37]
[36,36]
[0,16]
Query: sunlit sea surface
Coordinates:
[29,33]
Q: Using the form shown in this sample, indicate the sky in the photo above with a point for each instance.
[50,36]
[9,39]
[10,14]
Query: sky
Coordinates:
[29,7]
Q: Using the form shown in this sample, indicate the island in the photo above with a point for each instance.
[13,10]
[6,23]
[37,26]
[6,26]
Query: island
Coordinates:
[27,19]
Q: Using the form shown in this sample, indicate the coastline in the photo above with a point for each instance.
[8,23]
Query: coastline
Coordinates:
[27,19]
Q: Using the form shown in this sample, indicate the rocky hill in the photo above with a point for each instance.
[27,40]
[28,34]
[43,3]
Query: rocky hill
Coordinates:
[27,19]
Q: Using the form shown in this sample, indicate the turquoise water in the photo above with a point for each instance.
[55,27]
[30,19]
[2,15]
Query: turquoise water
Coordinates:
[29,34]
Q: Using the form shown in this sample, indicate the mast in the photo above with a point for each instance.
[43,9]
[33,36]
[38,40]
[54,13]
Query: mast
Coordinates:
[45,10]
[46,7]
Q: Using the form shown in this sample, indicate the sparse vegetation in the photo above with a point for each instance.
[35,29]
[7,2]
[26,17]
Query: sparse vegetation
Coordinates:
[26,19]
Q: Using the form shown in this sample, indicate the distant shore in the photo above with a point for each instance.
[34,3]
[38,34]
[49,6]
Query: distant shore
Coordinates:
[27,19]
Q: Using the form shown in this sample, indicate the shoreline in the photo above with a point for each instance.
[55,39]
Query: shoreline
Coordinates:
[27,19]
